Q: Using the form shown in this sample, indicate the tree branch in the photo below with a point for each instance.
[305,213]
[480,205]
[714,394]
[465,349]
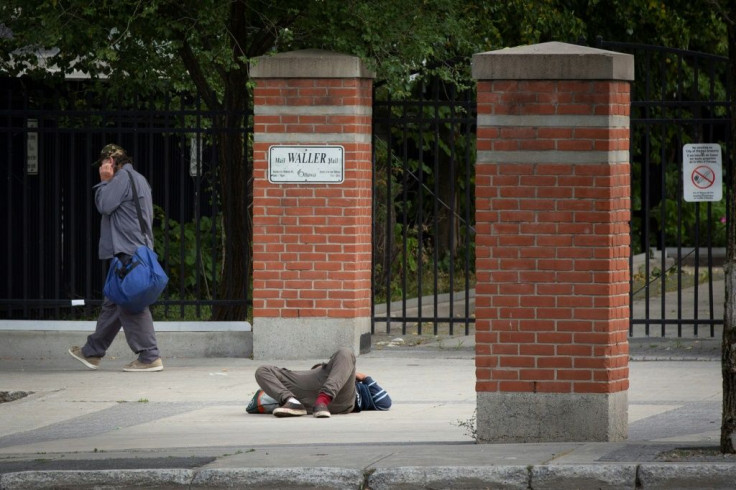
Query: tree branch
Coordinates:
[195,71]
[237,28]
[266,36]
[723,11]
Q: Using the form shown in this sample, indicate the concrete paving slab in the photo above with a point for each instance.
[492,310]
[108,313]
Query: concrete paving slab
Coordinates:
[188,423]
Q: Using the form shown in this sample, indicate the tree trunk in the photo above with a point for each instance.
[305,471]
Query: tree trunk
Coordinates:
[236,196]
[728,360]
[447,223]
[728,356]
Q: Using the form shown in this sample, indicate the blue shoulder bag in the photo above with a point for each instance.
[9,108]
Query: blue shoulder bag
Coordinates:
[139,282]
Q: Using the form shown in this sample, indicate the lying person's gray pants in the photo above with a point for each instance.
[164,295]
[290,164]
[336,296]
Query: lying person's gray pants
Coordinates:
[335,378]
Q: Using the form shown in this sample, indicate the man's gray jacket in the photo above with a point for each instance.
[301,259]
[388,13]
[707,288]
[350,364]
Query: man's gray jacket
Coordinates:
[120,231]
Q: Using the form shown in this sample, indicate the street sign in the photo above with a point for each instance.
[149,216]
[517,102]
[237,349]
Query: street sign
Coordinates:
[702,173]
[299,164]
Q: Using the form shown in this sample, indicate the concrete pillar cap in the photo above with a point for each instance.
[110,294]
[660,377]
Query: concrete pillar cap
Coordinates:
[309,63]
[552,61]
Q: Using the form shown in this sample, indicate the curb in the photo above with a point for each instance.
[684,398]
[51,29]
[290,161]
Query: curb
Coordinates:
[602,476]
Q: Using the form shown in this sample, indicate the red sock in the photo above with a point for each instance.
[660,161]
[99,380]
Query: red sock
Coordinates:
[323,399]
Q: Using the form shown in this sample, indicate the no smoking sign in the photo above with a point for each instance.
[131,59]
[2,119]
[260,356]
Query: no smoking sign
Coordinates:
[703,177]
[702,174]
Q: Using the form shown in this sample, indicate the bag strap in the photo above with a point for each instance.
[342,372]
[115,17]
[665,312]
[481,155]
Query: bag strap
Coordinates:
[138,207]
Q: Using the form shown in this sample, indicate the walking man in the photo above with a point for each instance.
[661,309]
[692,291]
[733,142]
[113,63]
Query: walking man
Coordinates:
[120,236]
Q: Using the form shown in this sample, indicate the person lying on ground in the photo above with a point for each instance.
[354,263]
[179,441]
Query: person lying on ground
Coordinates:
[332,387]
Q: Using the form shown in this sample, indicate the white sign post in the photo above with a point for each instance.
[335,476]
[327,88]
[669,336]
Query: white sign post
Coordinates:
[702,174]
[195,156]
[299,164]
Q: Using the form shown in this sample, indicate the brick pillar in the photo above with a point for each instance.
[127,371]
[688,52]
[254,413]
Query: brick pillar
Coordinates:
[311,240]
[552,244]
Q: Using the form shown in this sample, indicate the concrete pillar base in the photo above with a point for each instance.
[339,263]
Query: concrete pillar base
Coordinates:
[551,417]
[309,338]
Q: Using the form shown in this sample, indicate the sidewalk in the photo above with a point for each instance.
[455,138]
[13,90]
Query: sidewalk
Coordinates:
[187,427]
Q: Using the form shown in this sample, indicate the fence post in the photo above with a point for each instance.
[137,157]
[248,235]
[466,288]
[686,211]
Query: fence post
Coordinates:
[312,199]
[552,243]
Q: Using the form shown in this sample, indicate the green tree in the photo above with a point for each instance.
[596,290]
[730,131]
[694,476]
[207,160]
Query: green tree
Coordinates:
[139,47]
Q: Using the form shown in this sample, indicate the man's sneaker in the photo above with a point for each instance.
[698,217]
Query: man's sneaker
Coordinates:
[142,367]
[290,409]
[90,362]
[321,411]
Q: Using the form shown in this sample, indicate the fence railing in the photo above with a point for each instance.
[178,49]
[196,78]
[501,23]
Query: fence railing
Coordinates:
[49,138]
[423,246]
[678,97]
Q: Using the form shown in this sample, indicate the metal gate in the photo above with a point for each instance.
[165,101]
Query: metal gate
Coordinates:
[679,97]
[423,236]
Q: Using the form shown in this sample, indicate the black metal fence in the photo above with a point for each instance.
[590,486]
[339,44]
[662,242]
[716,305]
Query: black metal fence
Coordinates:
[424,247]
[49,137]
[678,97]
[423,237]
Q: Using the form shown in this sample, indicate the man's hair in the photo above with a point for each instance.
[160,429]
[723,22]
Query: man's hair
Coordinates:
[122,159]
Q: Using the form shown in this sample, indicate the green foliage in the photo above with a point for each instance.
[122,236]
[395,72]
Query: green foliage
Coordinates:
[690,224]
[187,250]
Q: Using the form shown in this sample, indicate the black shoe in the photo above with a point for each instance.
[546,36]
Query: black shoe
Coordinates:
[290,409]
[321,411]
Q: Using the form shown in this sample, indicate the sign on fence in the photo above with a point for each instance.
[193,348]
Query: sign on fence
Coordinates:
[32,148]
[702,172]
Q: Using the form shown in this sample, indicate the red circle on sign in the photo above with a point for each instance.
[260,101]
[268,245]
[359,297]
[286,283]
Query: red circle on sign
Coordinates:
[703,177]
